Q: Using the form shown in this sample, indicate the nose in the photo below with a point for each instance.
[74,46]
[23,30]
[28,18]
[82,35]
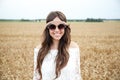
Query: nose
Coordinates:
[56,29]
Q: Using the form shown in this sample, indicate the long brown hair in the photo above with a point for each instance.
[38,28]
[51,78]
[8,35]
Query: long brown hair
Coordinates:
[63,55]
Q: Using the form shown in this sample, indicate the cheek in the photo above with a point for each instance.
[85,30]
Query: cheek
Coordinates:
[63,31]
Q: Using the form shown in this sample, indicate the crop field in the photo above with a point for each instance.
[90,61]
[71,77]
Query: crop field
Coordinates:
[99,44]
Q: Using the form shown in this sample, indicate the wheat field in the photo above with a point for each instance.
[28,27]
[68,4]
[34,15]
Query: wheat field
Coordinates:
[99,45]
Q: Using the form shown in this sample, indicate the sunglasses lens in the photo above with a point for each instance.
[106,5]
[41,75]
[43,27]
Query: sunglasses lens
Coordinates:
[52,27]
[61,26]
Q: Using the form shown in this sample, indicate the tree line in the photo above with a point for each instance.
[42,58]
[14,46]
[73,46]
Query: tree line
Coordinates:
[93,20]
[69,20]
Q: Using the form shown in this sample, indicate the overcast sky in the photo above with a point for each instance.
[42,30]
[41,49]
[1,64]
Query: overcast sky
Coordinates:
[73,9]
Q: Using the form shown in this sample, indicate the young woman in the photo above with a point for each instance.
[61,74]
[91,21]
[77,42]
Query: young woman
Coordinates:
[57,57]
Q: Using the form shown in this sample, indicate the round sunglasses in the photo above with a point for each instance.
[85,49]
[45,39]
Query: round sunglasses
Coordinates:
[53,26]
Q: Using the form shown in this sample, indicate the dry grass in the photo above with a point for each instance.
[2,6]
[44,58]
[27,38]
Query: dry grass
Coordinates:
[99,44]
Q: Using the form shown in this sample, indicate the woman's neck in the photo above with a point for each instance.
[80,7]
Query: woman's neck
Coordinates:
[55,44]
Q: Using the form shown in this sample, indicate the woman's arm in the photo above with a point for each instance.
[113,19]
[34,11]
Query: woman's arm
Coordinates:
[78,70]
[77,60]
[35,73]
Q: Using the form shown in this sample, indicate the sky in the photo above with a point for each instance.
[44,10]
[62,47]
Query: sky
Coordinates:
[73,9]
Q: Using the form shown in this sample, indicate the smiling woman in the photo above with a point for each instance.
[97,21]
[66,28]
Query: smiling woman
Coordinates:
[57,57]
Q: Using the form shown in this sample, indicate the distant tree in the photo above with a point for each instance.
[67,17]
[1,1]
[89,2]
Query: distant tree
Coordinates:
[93,20]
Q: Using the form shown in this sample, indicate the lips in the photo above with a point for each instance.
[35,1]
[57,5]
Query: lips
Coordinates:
[57,35]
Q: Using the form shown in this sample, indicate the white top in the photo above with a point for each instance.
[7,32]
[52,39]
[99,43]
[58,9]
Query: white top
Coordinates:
[70,72]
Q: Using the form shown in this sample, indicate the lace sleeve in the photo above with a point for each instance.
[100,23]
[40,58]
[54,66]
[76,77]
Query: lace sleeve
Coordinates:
[78,70]
[35,73]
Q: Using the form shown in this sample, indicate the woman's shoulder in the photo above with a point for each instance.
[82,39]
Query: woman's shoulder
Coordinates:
[73,45]
[74,48]
[36,49]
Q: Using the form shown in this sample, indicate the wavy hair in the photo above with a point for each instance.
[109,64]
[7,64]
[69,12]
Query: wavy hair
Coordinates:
[63,55]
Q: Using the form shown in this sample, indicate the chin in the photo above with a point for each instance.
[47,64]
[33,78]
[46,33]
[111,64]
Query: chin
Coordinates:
[57,39]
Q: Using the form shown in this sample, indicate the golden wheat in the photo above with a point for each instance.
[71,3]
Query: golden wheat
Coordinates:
[99,44]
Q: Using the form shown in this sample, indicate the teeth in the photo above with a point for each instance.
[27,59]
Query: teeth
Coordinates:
[57,34]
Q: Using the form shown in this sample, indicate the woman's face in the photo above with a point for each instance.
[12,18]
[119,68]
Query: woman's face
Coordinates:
[56,28]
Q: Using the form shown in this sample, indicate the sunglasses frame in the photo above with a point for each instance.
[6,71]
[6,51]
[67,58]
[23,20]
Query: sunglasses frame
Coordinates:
[53,28]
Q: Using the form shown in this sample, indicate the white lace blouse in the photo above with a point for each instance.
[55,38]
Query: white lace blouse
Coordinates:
[70,72]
